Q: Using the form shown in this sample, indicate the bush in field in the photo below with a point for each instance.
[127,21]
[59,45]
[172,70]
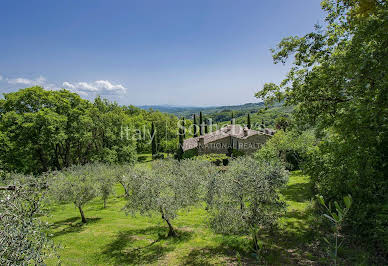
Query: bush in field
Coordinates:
[245,198]
[166,188]
[23,237]
[76,184]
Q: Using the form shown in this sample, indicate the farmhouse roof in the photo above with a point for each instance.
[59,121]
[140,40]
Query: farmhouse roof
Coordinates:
[235,131]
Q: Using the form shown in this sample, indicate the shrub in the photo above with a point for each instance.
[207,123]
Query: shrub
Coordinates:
[190,154]
[23,237]
[214,158]
[292,147]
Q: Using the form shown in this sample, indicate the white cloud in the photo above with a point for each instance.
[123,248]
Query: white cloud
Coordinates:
[39,81]
[68,85]
[99,86]
[86,89]
[1,77]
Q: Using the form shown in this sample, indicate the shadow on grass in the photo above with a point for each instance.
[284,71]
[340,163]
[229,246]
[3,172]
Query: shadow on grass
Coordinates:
[72,225]
[143,246]
[299,192]
[291,243]
[227,250]
[144,158]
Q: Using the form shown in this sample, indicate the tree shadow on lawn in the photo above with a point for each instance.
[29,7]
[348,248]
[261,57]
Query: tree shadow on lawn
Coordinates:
[73,225]
[291,243]
[294,240]
[227,251]
[299,192]
[143,246]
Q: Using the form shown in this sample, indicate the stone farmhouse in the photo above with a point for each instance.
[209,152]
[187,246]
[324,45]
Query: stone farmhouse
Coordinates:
[229,137]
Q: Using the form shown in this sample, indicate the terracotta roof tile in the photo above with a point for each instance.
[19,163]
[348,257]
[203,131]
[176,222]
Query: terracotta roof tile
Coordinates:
[236,131]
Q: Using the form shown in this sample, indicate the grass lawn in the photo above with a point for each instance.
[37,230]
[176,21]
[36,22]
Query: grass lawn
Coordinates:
[112,238]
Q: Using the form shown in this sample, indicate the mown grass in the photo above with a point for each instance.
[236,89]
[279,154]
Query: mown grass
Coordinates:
[112,238]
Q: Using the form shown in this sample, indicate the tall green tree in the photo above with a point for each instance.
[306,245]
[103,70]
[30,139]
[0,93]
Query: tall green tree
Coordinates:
[195,126]
[153,139]
[183,127]
[181,136]
[44,130]
[232,121]
[200,123]
[338,83]
[249,121]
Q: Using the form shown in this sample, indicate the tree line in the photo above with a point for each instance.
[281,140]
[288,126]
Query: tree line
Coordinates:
[43,130]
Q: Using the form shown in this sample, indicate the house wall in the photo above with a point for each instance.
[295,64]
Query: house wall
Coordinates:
[252,143]
[217,146]
[248,145]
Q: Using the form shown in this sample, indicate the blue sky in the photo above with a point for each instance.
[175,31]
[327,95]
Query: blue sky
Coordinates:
[210,52]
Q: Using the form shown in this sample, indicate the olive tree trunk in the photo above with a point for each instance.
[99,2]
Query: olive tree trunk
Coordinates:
[171,231]
[82,214]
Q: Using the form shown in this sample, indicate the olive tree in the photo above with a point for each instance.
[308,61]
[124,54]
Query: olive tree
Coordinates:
[105,180]
[123,175]
[76,184]
[23,237]
[245,199]
[168,187]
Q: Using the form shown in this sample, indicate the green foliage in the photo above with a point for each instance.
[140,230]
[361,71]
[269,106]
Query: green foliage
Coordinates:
[338,84]
[46,130]
[292,147]
[153,140]
[23,235]
[189,154]
[105,180]
[165,126]
[167,188]
[179,152]
[201,124]
[195,126]
[76,184]
[215,158]
[245,198]
[237,153]
[282,123]
[337,219]
[158,156]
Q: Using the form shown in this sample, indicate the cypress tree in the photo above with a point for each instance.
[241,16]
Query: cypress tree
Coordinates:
[195,126]
[200,123]
[249,121]
[232,119]
[206,126]
[153,140]
[180,147]
[184,129]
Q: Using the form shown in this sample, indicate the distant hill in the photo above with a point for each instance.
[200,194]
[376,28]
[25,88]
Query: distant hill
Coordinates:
[188,111]
[223,114]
